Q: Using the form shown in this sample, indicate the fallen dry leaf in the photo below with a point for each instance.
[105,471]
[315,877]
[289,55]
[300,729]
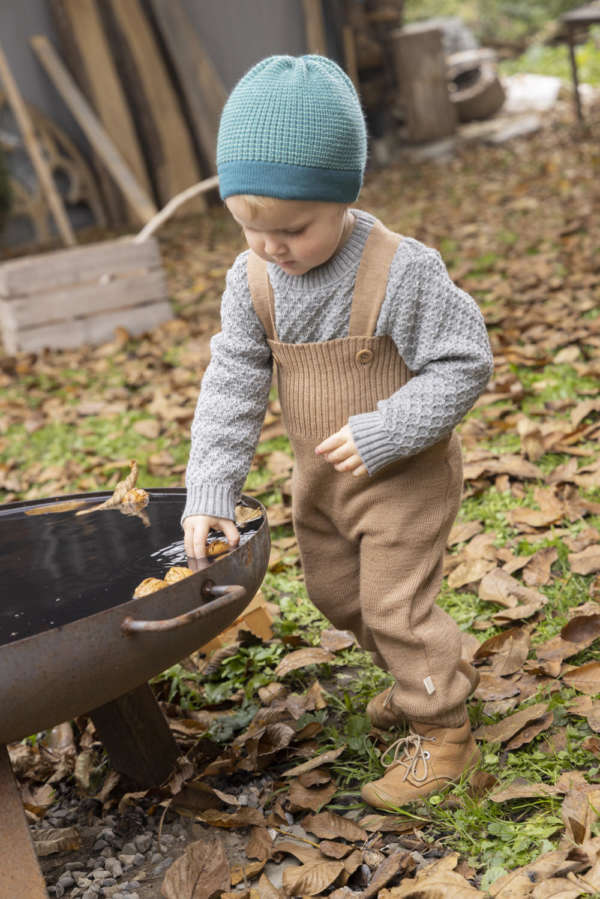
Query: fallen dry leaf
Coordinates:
[498,586]
[148,427]
[266,890]
[556,888]
[580,809]
[512,465]
[334,850]
[506,728]
[57,839]
[385,823]
[582,629]
[352,862]
[244,873]
[435,881]
[508,650]
[469,572]
[315,778]
[592,744]
[312,878]
[522,789]
[463,530]
[200,873]
[537,571]
[513,884]
[530,731]
[329,826]
[389,867]
[302,798]
[304,851]
[492,687]
[260,844]
[301,658]
[334,640]
[585,678]
[518,613]
[587,561]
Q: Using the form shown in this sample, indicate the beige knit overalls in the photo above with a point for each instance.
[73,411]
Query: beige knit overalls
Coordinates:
[372,547]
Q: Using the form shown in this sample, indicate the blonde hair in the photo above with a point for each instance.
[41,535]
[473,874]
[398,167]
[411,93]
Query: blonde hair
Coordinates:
[255,203]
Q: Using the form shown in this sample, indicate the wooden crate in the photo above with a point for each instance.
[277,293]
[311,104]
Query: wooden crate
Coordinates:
[71,297]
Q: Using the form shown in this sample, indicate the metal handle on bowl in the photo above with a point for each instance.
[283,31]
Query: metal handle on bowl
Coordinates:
[221,595]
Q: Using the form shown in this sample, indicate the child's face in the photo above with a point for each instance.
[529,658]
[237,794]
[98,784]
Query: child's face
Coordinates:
[296,235]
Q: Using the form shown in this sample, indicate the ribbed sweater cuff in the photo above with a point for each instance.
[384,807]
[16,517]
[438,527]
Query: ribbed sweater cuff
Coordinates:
[210,499]
[372,442]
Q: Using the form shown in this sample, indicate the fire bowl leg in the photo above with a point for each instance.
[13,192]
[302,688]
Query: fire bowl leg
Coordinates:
[136,736]
[20,874]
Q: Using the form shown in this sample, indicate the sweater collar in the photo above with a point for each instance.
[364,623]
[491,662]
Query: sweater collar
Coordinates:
[345,260]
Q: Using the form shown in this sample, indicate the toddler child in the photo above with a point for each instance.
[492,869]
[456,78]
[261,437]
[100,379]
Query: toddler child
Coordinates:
[378,355]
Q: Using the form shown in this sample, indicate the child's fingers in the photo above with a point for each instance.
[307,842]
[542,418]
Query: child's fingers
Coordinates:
[197,541]
[330,443]
[230,531]
[341,453]
[349,464]
[361,470]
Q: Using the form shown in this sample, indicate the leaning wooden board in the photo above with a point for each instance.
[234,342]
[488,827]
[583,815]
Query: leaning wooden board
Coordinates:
[160,122]
[70,297]
[200,83]
[89,57]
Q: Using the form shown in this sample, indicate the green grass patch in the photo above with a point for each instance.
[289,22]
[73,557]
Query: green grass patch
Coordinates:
[540,59]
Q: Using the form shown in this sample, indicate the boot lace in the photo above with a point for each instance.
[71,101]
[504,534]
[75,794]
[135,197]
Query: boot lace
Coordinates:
[410,753]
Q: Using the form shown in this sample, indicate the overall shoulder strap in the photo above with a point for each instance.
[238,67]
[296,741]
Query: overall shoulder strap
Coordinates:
[261,292]
[371,280]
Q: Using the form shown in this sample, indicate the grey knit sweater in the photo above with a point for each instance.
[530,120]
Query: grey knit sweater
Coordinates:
[437,328]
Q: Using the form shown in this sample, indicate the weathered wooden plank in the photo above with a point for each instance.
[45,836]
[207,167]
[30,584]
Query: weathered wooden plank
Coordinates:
[314,26]
[91,299]
[45,271]
[100,82]
[94,131]
[201,85]
[42,169]
[161,124]
[20,873]
[95,329]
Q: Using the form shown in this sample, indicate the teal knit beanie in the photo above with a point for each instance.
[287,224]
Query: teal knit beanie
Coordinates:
[293,128]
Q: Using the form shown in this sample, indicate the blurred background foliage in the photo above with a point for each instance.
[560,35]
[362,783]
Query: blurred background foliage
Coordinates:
[521,30]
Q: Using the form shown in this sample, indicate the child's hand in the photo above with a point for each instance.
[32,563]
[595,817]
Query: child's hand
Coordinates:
[196,528]
[340,450]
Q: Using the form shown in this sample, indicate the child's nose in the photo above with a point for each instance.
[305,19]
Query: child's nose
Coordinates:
[273,245]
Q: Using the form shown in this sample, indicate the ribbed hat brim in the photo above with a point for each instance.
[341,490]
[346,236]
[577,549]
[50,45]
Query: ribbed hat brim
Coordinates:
[288,182]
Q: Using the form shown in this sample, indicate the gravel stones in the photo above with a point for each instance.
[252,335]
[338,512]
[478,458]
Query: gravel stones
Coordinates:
[143,842]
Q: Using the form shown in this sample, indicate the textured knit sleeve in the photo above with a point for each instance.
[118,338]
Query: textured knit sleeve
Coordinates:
[440,333]
[232,403]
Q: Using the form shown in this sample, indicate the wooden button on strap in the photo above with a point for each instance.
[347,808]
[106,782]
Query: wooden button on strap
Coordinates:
[364,356]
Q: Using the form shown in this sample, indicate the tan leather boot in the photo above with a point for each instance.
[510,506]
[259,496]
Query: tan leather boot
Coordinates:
[382,713]
[422,763]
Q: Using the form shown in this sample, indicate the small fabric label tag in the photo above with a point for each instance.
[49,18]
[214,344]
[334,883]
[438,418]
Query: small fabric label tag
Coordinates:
[429,685]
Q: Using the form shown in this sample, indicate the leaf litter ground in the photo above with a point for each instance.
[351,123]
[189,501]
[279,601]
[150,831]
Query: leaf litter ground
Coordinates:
[273,735]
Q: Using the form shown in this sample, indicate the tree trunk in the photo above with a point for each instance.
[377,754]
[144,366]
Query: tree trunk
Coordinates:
[421,71]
